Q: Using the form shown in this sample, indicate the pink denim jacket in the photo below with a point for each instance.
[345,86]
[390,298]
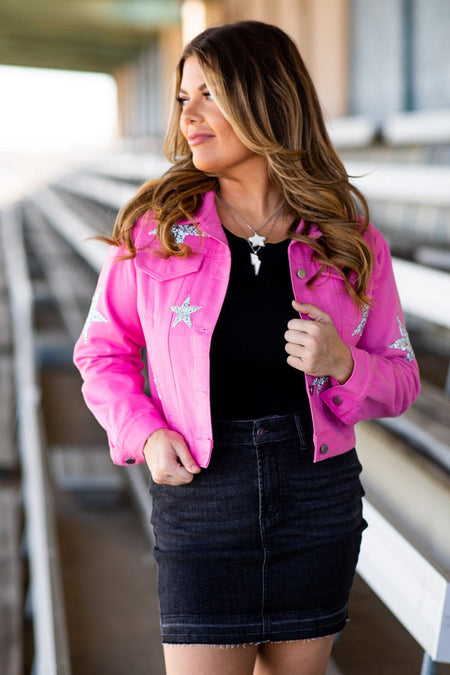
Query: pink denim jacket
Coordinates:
[170,306]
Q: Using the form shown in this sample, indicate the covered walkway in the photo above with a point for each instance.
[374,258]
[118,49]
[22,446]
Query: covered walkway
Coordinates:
[98,538]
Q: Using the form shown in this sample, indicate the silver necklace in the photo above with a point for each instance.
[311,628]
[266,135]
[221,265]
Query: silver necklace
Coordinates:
[256,241]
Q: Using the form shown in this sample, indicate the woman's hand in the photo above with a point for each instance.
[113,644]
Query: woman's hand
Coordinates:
[315,347]
[169,459]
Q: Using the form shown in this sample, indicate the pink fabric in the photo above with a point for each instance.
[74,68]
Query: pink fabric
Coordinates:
[170,306]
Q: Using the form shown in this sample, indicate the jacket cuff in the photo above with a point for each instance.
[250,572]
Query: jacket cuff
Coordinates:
[129,448]
[344,399]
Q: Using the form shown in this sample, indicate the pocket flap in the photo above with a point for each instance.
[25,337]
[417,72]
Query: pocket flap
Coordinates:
[165,269]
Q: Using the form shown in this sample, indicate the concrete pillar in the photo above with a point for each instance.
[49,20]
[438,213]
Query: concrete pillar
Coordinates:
[320,28]
[170,48]
[142,91]
[120,84]
[377,65]
[215,12]
[124,78]
[329,57]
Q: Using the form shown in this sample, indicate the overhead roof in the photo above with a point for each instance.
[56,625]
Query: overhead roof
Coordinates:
[93,35]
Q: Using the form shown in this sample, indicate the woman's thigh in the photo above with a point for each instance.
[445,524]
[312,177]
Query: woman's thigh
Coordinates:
[210,659]
[299,657]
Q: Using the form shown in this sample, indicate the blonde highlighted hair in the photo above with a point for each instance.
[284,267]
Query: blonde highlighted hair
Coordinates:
[261,85]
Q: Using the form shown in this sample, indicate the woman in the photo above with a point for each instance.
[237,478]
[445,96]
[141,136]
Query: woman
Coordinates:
[249,247]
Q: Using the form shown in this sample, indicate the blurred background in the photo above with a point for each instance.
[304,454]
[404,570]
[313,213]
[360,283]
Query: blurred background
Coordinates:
[85,91]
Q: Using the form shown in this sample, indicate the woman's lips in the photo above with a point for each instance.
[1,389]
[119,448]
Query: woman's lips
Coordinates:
[196,139]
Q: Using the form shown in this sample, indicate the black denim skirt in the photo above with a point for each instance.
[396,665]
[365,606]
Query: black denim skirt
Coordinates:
[263,544]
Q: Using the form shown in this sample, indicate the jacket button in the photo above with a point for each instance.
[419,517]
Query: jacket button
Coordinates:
[130,460]
[337,400]
[301,273]
[323,449]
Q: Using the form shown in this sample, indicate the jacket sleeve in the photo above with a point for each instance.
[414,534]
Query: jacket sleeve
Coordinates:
[385,378]
[108,355]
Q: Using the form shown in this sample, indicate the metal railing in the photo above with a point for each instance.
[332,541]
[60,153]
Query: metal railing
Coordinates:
[51,651]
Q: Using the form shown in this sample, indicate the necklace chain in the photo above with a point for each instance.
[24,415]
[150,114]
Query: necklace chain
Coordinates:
[255,230]
[256,241]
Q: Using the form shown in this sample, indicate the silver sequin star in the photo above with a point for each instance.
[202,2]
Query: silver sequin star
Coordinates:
[320,382]
[360,327]
[180,232]
[94,316]
[183,312]
[403,342]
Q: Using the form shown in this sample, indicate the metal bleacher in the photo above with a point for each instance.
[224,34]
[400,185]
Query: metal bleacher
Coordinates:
[403,559]
[403,167]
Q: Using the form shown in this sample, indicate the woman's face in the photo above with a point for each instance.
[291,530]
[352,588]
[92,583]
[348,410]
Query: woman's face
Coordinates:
[214,145]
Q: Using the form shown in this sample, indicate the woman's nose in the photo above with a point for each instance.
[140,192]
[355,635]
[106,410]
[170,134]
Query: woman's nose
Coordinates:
[190,113]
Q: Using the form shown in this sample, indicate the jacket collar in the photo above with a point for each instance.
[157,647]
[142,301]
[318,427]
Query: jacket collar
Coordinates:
[208,219]
[209,223]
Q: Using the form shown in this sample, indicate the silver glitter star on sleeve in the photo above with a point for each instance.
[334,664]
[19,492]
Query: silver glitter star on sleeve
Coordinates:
[320,382]
[360,327]
[403,342]
[183,312]
[94,315]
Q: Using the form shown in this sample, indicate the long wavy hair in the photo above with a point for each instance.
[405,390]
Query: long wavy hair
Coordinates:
[262,87]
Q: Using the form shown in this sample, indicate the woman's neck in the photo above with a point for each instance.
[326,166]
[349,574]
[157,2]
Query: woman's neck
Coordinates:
[255,202]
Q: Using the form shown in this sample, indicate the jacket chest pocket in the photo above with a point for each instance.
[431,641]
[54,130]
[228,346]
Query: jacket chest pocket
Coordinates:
[170,291]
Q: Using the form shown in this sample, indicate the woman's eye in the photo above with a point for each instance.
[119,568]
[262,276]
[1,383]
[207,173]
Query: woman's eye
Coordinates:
[182,100]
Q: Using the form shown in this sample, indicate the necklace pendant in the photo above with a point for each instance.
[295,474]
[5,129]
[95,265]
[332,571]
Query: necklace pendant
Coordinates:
[256,240]
[256,262]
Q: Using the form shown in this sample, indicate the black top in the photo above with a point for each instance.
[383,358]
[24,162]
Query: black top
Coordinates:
[250,377]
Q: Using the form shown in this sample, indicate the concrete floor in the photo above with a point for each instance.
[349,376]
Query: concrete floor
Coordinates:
[110,588]
[110,580]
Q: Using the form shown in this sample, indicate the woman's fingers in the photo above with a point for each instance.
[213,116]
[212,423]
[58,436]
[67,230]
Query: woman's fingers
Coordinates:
[314,345]
[169,459]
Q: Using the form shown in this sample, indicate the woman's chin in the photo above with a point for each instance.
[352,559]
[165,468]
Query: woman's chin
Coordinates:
[204,164]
